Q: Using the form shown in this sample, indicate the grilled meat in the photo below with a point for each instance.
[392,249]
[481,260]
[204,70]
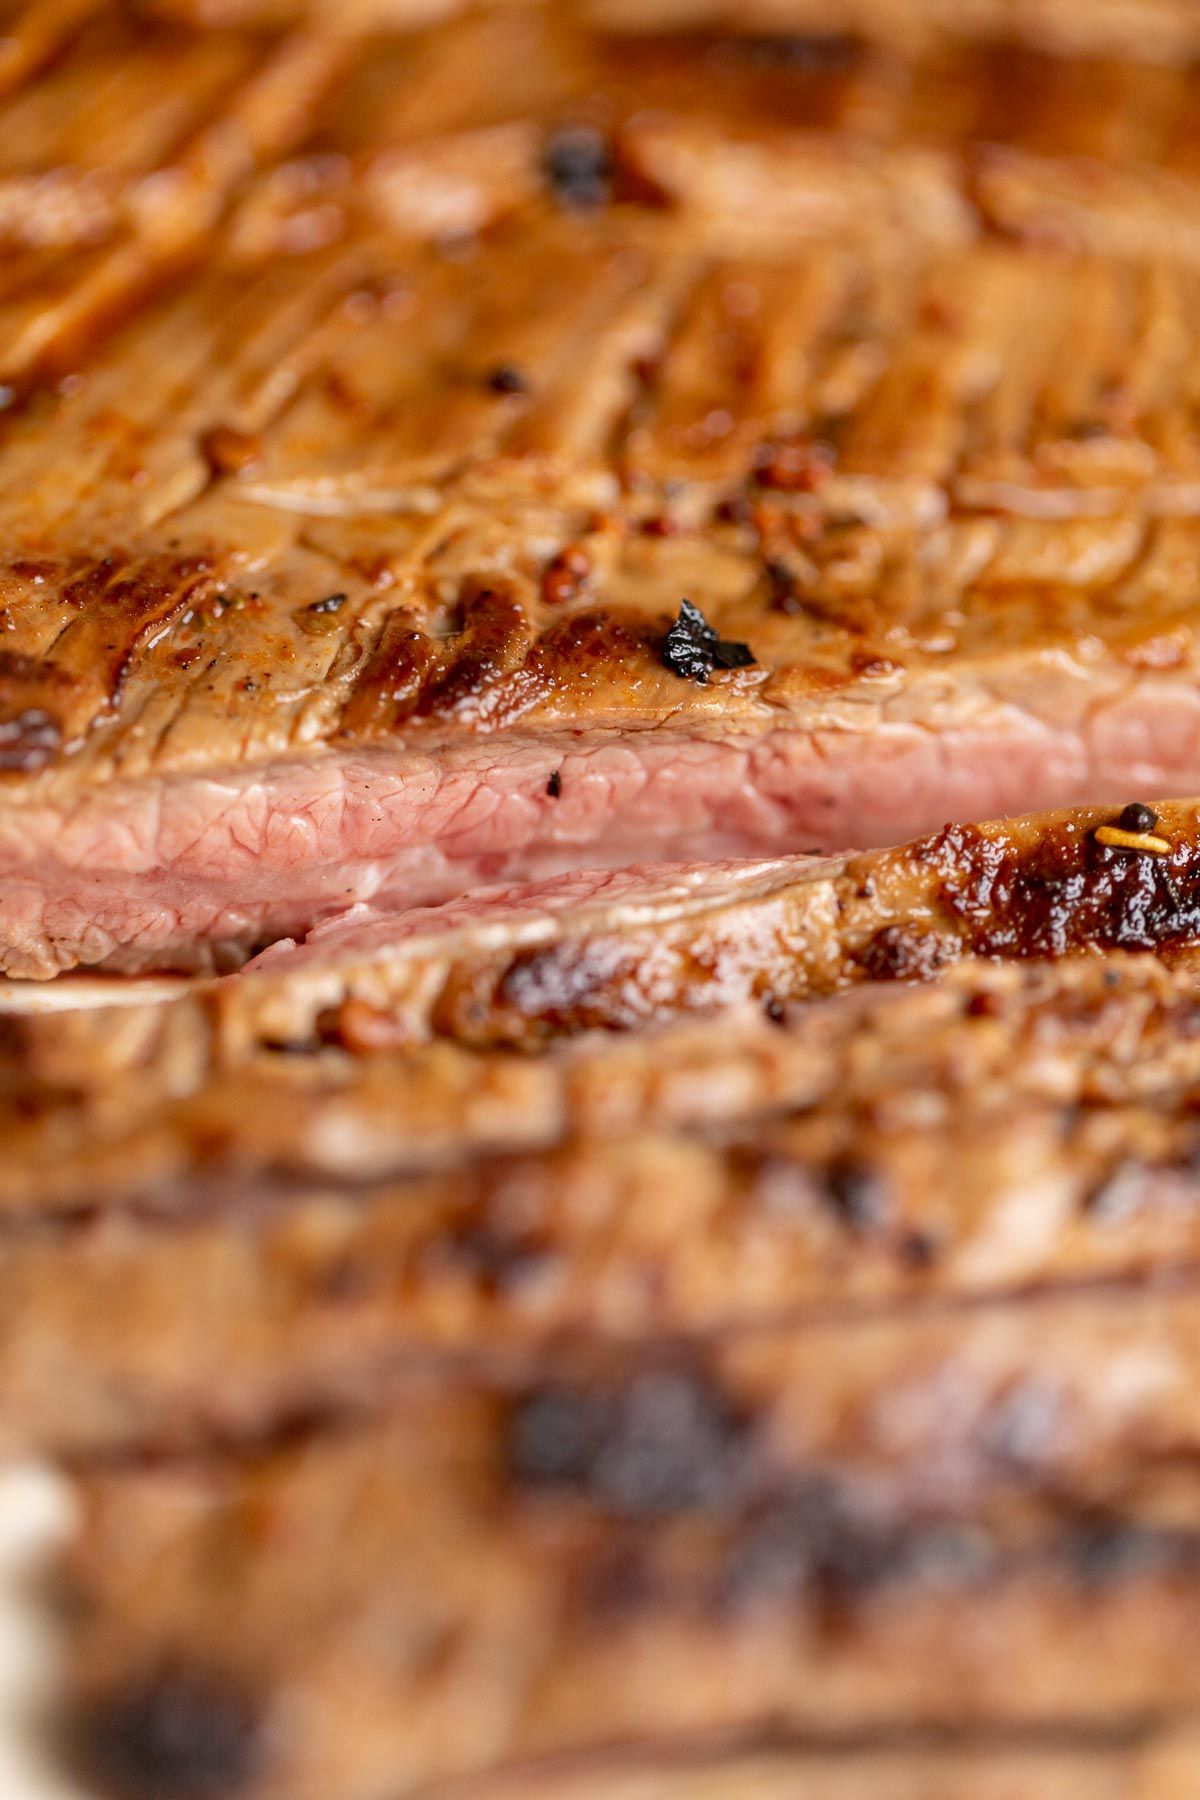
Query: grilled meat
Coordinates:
[452,1593]
[616,1275]
[344,562]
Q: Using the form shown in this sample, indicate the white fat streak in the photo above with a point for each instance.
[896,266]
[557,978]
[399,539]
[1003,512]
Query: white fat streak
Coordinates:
[70,992]
[37,1515]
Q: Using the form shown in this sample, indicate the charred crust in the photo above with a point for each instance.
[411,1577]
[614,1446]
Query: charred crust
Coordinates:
[495,638]
[1062,893]
[567,986]
[1101,1551]
[389,686]
[580,651]
[692,648]
[178,1734]
[663,1441]
[815,1542]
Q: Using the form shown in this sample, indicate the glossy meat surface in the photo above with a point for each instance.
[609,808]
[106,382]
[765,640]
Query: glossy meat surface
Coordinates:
[369,418]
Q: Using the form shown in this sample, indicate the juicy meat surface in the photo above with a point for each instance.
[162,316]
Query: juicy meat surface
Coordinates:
[656,1249]
[369,419]
[100,1098]
[621,950]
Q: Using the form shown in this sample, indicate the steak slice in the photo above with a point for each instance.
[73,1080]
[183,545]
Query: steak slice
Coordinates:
[622,950]
[293,1233]
[347,562]
[132,1086]
[493,1577]
[1159,30]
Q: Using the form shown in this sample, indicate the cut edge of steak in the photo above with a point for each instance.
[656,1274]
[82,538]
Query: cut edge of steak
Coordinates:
[189,871]
[627,949]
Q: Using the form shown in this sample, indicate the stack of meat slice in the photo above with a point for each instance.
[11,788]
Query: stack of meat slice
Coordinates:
[455,1388]
[571,1221]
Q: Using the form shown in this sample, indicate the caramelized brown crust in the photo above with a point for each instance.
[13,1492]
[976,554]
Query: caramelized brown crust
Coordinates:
[151,584]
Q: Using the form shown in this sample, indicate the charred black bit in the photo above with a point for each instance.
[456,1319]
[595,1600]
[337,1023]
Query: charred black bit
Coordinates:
[818,1539]
[1104,1549]
[693,650]
[578,165]
[793,50]
[664,1441]
[554,785]
[1137,816]
[180,1734]
[858,1194]
[916,1249]
[506,378]
[1063,893]
[330,604]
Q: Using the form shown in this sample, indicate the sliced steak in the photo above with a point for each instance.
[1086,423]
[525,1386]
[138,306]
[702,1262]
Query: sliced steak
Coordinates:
[502,1577]
[292,1232]
[349,562]
[1159,30]
[627,949]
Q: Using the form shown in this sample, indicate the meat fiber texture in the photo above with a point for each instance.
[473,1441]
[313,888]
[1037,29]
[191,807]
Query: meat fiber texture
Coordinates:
[371,418]
[630,1246]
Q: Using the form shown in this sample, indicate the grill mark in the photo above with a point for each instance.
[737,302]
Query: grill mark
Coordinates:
[119,606]
[494,640]
[391,682]
[1063,892]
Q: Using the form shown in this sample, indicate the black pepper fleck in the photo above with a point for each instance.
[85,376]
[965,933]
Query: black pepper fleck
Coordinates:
[506,378]
[578,166]
[692,648]
[1137,816]
[554,785]
[858,1195]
